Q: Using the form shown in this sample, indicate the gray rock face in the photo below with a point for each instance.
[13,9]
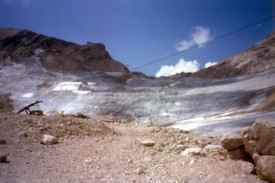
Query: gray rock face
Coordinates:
[266,168]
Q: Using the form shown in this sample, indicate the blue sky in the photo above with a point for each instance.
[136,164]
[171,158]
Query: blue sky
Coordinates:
[141,31]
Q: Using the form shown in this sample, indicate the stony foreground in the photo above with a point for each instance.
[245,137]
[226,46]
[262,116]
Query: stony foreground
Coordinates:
[91,151]
[255,144]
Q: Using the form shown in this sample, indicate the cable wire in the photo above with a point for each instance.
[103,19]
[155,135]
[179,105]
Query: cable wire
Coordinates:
[212,40]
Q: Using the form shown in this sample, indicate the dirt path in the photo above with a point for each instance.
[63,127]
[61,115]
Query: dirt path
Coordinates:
[91,151]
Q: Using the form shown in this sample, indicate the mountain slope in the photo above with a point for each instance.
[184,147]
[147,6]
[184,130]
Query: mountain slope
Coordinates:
[257,59]
[213,106]
[55,54]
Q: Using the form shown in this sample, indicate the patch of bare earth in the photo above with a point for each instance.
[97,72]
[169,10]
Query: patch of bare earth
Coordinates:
[92,151]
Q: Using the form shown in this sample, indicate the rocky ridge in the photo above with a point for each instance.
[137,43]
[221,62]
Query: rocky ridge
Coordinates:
[56,55]
[257,59]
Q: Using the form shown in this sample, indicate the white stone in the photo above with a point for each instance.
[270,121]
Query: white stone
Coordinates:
[191,151]
[49,140]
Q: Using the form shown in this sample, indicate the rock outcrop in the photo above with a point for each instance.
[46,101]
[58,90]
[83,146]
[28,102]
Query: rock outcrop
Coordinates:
[257,59]
[256,143]
[260,137]
[56,55]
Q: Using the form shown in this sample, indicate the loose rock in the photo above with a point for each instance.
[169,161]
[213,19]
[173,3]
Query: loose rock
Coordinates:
[3,141]
[23,134]
[148,143]
[140,170]
[3,157]
[49,140]
[191,151]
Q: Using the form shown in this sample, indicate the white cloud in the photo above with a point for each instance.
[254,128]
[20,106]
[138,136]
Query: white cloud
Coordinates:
[199,37]
[181,66]
[209,64]
[184,45]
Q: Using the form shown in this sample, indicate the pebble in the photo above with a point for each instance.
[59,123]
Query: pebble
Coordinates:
[3,141]
[3,157]
[192,162]
[140,170]
[23,134]
[148,143]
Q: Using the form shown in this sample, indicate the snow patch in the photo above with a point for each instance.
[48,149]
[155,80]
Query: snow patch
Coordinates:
[69,86]
[38,51]
[164,114]
[177,103]
[28,95]
[209,64]
[79,92]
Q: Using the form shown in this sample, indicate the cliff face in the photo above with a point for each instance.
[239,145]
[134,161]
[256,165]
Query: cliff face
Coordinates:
[56,55]
[258,58]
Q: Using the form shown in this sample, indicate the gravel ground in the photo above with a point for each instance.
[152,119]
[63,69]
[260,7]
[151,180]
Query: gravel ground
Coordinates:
[93,151]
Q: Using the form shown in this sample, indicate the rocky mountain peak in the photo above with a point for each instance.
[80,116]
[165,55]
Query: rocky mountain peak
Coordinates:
[55,54]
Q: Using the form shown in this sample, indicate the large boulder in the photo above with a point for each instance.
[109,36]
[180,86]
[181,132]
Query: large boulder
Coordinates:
[260,137]
[232,140]
[263,136]
[265,168]
[248,142]
[258,142]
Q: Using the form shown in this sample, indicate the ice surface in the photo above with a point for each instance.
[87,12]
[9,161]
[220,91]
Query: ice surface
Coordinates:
[188,103]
